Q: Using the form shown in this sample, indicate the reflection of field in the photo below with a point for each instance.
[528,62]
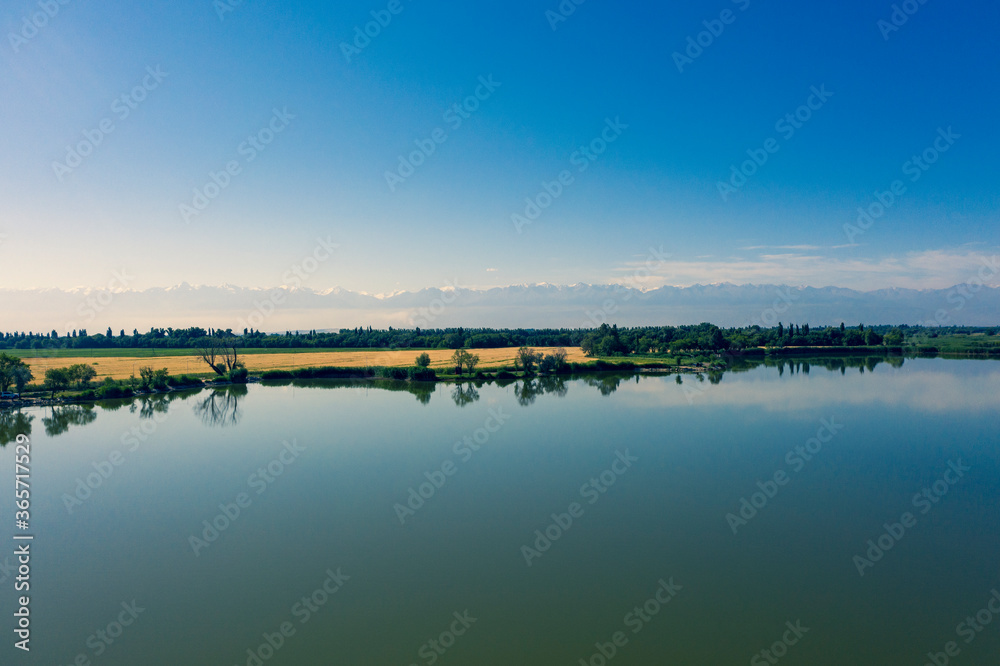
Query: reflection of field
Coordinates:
[121,367]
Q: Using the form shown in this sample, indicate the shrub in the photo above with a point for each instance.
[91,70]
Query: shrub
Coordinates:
[276,374]
[424,360]
[111,389]
[421,375]
[183,380]
[238,375]
[391,373]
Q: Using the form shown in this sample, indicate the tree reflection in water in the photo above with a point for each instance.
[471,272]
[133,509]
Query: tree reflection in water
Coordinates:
[13,424]
[60,419]
[150,405]
[606,384]
[221,407]
[464,394]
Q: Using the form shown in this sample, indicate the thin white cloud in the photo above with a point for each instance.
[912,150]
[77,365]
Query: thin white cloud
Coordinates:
[931,269]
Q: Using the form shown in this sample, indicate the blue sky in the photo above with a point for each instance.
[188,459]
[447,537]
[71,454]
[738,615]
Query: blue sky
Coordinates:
[345,121]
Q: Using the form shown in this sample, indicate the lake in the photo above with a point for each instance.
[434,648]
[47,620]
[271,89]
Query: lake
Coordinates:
[813,512]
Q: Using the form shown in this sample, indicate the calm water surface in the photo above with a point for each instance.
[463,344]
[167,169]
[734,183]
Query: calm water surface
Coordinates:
[652,555]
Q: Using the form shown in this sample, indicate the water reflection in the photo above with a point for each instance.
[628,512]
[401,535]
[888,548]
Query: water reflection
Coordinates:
[527,391]
[464,394]
[61,419]
[421,390]
[150,405]
[608,383]
[13,424]
[221,407]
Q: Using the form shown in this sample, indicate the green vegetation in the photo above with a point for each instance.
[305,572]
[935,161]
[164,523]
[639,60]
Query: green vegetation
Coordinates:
[375,372]
[463,359]
[13,371]
[220,348]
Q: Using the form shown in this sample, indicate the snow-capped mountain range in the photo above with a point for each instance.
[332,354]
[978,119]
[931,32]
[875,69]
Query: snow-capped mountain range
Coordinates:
[536,306]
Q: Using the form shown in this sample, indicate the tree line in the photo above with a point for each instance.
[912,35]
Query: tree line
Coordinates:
[603,341]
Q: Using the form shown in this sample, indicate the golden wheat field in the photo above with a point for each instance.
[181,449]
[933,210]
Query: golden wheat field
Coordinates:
[122,367]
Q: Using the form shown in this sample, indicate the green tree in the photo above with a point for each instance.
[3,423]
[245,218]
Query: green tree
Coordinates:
[424,360]
[22,376]
[471,361]
[893,338]
[81,373]
[526,359]
[458,359]
[11,368]
[555,362]
[56,379]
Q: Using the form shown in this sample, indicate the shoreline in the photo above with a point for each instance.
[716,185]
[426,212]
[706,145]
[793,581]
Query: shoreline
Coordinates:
[490,375]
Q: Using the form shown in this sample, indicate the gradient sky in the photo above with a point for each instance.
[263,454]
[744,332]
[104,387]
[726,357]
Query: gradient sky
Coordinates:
[654,187]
